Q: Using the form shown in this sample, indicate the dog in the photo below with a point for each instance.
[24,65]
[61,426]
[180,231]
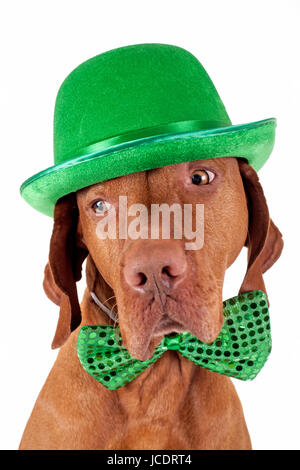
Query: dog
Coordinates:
[155,287]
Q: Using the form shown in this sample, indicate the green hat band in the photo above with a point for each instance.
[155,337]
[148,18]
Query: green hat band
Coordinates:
[240,350]
[139,136]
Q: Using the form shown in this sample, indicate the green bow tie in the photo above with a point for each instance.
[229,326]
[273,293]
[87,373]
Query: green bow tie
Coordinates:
[240,350]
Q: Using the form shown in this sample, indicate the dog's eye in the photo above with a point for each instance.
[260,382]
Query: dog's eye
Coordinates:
[201,177]
[101,207]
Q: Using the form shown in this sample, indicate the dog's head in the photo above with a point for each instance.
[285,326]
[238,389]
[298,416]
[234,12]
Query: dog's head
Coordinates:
[158,285]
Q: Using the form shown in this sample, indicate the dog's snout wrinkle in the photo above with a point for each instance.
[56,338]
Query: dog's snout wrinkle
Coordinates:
[160,294]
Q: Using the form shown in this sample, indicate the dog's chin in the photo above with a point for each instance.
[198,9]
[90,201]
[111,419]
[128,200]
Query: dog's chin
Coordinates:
[145,352]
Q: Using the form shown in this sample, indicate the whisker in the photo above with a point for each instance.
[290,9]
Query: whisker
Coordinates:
[112,297]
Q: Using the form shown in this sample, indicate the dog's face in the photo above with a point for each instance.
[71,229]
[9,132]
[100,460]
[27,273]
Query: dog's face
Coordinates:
[159,285]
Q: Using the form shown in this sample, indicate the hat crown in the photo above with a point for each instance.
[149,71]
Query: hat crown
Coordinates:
[128,89]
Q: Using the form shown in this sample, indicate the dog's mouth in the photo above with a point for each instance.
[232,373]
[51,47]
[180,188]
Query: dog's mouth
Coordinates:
[159,320]
[143,347]
[143,350]
[166,326]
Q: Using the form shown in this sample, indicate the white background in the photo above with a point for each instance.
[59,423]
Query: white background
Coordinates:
[251,51]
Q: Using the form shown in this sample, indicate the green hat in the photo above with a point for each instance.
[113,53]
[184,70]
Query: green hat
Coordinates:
[137,108]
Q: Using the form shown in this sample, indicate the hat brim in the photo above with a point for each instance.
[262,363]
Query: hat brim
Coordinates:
[253,141]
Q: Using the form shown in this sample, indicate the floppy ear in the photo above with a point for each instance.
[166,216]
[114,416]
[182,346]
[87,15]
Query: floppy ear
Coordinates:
[64,268]
[264,240]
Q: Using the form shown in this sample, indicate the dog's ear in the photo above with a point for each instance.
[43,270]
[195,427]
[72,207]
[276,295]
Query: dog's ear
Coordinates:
[264,240]
[62,272]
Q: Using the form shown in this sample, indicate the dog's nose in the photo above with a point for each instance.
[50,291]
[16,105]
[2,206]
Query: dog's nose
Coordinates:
[155,264]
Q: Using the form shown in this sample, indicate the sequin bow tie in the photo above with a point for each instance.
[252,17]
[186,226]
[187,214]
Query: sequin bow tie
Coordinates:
[240,350]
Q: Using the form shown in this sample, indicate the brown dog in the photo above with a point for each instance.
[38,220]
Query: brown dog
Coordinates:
[157,287]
